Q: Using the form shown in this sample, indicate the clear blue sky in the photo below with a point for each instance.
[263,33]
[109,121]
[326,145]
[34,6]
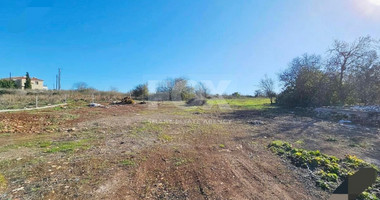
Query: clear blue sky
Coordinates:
[122,43]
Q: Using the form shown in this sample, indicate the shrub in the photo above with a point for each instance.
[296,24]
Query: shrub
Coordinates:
[127,100]
[196,102]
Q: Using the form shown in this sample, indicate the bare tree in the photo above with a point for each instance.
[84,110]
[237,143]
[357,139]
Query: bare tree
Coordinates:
[344,56]
[80,86]
[258,93]
[267,86]
[175,89]
[201,90]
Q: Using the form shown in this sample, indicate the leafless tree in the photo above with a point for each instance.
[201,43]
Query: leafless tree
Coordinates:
[80,86]
[267,86]
[345,56]
[201,90]
[175,89]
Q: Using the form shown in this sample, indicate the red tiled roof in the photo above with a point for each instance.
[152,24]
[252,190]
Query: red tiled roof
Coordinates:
[24,77]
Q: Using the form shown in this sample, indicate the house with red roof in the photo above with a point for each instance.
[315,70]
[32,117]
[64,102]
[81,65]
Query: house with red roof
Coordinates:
[37,84]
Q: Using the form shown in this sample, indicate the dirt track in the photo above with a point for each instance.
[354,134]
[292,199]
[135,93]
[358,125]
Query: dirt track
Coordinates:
[167,152]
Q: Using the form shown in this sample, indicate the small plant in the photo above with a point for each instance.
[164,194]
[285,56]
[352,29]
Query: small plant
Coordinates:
[368,196]
[128,162]
[165,137]
[331,139]
[222,145]
[299,142]
[323,185]
[3,182]
[69,146]
[329,169]
[1,126]
[180,161]
[45,144]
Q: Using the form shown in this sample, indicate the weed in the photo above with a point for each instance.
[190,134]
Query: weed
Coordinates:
[3,182]
[323,185]
[222,145]
[69,146]
[128,162]
[165,138]
[45,144]
[246,103]
[331,139]
[330,168]
[180,161]
[300,142]
[147,127]
[368,196]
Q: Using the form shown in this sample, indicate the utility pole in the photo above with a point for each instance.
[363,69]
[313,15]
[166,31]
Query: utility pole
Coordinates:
[56,82]
[10,76]
[59,78]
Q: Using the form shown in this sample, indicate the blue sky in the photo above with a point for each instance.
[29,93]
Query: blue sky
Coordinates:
[121,43]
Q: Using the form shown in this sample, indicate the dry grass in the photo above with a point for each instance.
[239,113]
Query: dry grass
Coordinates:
[15,99]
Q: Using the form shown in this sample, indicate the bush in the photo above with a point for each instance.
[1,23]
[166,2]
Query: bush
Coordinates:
[127,100]
[196,102]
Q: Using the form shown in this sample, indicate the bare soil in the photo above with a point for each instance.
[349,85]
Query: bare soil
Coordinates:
[164,151]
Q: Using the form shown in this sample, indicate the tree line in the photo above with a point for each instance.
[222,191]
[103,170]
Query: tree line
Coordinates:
[172,89]
[348,74]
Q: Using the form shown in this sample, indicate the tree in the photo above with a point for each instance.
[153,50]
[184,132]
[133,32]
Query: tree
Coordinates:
[9,84]
[345,56]
[258,93]
[141,91]
[201,90]
[80,86]
[236,94]
[28,83]
[175,90]
[267,86]
[304,83]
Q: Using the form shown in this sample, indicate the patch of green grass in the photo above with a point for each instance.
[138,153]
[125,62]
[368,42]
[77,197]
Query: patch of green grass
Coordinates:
[68,116]
[328,169]
[1,126]
[45,144]
[245,103]
[5,135]
[3,183]
[128,162]
[29,144]
[195,109]
[149,128]
[165,138]
[67,146]
[180,161]
[368,196]
[300,142]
